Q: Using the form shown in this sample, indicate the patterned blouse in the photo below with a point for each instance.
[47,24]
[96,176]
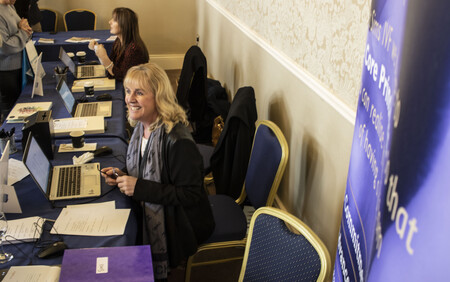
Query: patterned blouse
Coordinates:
[132,56]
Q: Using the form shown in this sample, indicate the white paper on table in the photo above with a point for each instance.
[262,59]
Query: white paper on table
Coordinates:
[84,222]
[64,124]
[33,273]
[80,39]
[64,148]
[12,204]
[24,229]
[16,171]
[105,206]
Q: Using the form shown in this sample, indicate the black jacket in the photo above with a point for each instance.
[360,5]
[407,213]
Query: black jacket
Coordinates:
[231,155]
[188,216]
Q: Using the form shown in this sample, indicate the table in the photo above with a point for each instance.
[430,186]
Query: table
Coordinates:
[34,203]
[116,124]
[51,51]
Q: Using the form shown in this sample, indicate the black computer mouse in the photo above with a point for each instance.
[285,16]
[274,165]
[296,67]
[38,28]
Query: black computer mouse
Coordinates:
[104,97]
[102,151]
[54,250]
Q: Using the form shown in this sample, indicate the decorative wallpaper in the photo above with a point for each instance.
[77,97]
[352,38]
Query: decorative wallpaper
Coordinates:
[325,37]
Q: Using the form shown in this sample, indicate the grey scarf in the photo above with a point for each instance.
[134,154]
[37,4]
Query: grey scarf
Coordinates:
[154,213]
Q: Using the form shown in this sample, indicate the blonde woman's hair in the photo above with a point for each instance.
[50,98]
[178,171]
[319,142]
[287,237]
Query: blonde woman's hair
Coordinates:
[152,77]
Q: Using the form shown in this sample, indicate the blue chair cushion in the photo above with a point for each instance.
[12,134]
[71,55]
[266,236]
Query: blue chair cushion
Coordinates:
[231,222]
[277,254]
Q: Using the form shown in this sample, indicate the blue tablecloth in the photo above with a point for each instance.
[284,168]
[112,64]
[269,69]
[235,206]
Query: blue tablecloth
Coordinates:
[34,203]
[51,51]
[116,125]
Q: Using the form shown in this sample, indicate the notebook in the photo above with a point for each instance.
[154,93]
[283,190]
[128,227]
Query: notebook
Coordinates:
[128,263]
[61,182]
[84,109]
[24,110]
[81,71]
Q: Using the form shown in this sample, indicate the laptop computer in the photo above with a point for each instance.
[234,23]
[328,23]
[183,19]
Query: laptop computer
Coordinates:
[61,182]
[81,71]
[83,109]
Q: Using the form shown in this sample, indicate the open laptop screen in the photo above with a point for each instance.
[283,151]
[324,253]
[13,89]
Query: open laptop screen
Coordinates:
[66,60]
[37,163]
[66,95]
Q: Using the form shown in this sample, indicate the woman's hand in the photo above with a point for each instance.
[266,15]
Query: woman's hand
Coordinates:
[100,51]
[110,174]
[92,44]
[23,25]
[126,184]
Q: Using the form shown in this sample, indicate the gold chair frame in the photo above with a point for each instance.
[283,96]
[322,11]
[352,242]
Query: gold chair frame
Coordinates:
[270,199]
[298,227]
[80,10]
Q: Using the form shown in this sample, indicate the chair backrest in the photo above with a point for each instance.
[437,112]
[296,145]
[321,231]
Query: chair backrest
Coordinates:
[276,252]
[49,20]
[266,165]
[80,19]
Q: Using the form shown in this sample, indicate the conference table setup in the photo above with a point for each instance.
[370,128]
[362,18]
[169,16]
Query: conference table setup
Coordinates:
[72,41]
[115,125]
[34,203]
[32,200]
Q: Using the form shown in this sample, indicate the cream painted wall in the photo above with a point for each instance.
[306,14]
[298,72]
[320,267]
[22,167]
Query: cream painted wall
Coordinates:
[317,125]
[167,27]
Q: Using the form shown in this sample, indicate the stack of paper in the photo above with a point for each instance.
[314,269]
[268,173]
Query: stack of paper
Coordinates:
[35,273]
[80,39]
[46,40]
[101,219]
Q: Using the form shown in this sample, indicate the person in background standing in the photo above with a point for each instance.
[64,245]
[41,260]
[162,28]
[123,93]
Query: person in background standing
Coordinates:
[128,50]
[29,10]
[15,33]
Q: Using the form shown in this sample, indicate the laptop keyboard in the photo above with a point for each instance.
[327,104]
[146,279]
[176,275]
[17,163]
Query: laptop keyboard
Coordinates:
[89,110]
[69,181]
[87,71]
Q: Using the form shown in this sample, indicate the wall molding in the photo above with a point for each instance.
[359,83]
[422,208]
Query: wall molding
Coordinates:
[168,61]
[303,75]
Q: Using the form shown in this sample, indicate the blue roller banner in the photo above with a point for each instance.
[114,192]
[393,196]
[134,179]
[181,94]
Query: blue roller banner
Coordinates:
[396,217]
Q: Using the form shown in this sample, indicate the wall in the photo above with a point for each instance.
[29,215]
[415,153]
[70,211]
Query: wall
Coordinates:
[167,27]
[298,87]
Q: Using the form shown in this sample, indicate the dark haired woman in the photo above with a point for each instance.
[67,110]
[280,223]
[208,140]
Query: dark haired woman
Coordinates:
[128,50]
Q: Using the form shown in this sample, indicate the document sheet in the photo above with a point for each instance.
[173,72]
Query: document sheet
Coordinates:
[92,220]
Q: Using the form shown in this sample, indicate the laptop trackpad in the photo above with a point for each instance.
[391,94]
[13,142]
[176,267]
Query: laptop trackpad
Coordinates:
[90,180]
[103,107]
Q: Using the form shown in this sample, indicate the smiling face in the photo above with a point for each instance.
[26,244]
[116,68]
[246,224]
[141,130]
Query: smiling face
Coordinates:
[141,103]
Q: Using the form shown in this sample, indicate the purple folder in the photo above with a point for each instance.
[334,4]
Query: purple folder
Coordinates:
[129,263]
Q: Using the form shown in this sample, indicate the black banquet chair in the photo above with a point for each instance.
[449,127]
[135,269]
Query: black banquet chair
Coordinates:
[49,20]
[280,247]
[266,167]
[80,19]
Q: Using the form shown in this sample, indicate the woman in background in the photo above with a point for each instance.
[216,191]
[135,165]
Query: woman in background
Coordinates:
[15,33]
[164,170]
[29,10]
[128,50]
